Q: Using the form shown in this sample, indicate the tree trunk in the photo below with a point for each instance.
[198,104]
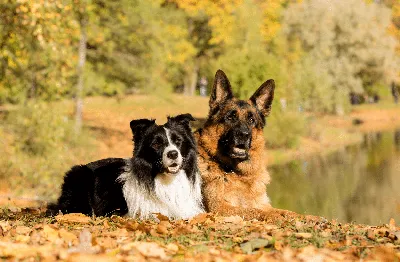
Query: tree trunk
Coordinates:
[190,82]
[80,84]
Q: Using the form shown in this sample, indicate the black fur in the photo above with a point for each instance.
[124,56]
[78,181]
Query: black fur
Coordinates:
[94,188]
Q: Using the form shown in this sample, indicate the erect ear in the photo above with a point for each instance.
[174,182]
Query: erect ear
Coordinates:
[263,97]
[221,90]
[183,119]
[139,126]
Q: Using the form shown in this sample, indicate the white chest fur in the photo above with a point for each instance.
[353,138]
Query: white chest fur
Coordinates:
[173,196]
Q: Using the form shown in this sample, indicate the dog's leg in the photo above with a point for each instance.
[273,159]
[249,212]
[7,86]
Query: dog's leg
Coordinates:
[270,215]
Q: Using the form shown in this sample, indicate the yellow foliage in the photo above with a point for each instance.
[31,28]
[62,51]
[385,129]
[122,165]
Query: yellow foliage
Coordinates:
[272,10]
[220,13]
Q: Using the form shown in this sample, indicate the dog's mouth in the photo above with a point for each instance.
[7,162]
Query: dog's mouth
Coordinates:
[239,153]
[173,168]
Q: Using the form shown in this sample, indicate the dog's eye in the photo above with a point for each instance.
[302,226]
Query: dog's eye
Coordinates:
[156,145]
[250,118]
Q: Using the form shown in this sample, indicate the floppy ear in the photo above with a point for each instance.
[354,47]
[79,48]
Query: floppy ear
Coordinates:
[183,119]
[263,97]
[221,90]
[139,126]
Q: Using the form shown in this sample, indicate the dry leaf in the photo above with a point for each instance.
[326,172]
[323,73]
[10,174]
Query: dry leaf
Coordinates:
[161,217]
[251,245]
[371,234]
[85,244]
[68,237]
[392,224]
[303,235]
[22,230]
[76,257]
[22,238]
[50,233]
[162,229]
[149,249]
[73,218]
[199,219]
[173,248]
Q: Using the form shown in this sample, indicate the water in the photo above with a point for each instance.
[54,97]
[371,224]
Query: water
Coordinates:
[360,183]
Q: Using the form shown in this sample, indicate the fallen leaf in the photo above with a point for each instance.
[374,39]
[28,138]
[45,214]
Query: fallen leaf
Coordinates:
[85,244]
[68,237]
[173,248]
[199,219]
[90,257]
[371,234]
[22,238]
[106,225]
[148,249]
[162,229]
[22,230]
[5,226]
[73,218]
[303,235]
[237,239]
[161,217]
[50,233]
[253,244]
[392,224]
[278,245]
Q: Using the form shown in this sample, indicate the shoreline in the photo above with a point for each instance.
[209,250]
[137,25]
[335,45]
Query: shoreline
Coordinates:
[341,132]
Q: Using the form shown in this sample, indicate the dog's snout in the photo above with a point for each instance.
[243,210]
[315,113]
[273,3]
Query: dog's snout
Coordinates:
[243,134]
[173,154]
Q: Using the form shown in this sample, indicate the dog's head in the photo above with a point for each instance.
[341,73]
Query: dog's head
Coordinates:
[164,147]
[234,123]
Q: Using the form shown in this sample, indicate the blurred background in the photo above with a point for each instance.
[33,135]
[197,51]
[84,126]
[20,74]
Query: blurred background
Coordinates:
[73,73]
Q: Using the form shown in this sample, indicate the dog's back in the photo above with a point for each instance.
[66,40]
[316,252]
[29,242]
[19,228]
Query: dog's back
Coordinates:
[92,189]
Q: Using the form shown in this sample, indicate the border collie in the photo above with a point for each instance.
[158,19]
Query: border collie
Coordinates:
[161,177]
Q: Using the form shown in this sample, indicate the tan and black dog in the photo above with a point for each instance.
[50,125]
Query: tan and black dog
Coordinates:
[231,153]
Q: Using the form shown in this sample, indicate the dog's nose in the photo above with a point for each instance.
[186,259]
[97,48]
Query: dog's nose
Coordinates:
[243,134]
[173,154]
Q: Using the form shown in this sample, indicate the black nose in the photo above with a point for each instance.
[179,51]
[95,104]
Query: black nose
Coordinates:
[243,134]
[173,154]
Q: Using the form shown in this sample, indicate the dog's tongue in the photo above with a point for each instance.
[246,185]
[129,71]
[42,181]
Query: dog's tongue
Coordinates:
[174,168]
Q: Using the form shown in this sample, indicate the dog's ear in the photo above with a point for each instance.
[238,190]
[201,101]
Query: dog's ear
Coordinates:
[139,126]
[263,97]
[183,119]
[221,90]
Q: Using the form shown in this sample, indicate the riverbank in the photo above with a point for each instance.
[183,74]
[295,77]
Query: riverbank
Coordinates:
[329,133]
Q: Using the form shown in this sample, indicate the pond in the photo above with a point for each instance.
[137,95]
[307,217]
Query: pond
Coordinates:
[360,183]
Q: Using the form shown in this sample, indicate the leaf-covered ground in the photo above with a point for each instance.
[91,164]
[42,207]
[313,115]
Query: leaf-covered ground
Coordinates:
[25,234]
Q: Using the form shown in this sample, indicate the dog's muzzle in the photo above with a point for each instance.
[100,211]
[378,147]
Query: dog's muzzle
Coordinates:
[172,159]
[241,143]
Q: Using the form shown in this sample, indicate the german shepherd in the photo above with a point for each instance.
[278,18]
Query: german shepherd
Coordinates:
[231,153]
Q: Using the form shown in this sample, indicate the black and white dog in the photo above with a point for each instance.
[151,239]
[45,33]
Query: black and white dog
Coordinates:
[161,177]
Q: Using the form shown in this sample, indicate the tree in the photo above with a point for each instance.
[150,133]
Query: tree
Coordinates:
[80,9]
[245,58]
[349,39]
[210,26]
[36,54]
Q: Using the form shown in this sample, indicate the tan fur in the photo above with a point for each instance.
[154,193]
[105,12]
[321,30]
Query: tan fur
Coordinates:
[243,190]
